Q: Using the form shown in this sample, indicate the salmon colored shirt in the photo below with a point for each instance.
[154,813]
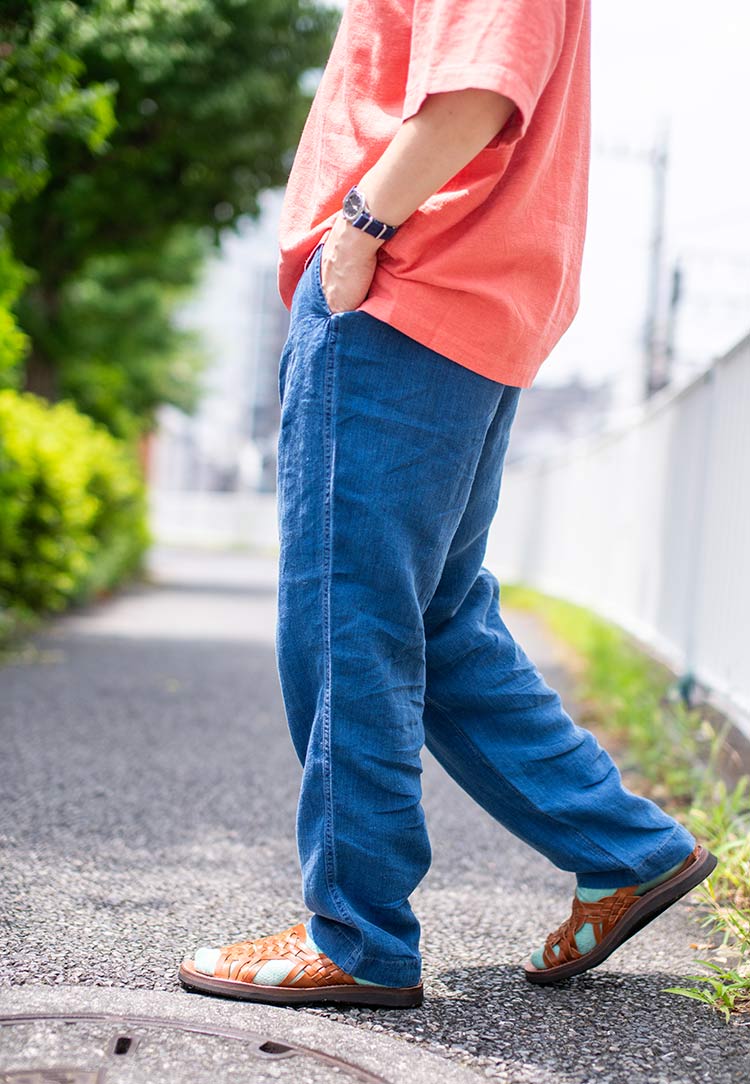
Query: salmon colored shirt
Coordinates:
[486,271]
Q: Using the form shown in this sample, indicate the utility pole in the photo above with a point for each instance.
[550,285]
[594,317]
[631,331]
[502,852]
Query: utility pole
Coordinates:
[659,321]
[675,297]
[655,334]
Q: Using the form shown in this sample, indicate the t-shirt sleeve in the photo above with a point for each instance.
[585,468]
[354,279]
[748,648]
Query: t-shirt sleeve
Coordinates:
[509,46]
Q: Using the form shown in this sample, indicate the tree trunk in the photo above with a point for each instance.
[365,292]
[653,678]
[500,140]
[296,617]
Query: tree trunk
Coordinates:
[41,376]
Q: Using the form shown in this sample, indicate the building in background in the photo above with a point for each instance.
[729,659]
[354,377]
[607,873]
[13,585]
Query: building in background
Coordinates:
[228,445]
[550,415]
[270,325]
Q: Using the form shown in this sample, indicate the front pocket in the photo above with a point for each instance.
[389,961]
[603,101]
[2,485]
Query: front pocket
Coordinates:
[318,272]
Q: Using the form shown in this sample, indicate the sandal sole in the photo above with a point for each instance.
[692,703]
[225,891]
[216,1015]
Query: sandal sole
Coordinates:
[650,906]
[392,997]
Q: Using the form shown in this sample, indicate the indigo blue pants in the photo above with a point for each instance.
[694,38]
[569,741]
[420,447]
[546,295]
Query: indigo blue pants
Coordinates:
[390,637]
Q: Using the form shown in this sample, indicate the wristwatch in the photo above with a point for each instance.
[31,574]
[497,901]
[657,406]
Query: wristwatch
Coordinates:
[356,211]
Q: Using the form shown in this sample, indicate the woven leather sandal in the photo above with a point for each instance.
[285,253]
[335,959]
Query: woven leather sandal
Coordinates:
[313,976]
[615,919]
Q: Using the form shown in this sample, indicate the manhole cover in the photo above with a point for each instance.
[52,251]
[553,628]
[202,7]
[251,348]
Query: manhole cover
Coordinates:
[101,1048]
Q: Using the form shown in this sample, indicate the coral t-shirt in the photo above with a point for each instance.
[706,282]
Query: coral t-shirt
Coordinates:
[487,270]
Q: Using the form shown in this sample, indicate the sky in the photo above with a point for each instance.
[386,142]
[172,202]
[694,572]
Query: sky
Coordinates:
[680,67]
[656,65]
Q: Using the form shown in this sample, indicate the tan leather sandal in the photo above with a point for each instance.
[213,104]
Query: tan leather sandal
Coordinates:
[313,976]
[614,920]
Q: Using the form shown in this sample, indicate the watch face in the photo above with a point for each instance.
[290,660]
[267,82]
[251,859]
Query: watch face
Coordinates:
[354,203]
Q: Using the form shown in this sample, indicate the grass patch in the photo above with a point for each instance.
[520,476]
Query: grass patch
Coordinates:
[672,753]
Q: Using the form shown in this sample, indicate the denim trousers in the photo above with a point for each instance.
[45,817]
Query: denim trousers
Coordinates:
[389,638]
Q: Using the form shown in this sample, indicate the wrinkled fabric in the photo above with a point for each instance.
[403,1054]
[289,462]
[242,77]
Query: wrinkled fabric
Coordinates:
[390,637]
[487,270]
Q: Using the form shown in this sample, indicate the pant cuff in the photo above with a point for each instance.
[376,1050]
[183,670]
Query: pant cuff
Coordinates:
[674,849]
[398,971]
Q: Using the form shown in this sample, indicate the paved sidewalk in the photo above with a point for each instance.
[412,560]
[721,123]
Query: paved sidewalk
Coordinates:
[147,796]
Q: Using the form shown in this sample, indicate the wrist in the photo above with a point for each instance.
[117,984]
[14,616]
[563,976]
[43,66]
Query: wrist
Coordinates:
[351,240]
[358,240]
[381,199]
[359,214]
[378,209]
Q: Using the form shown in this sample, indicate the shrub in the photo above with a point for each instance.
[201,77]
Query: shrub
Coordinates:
[72,506]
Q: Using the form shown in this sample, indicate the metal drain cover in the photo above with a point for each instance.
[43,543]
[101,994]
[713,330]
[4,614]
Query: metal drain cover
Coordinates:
[100,1048]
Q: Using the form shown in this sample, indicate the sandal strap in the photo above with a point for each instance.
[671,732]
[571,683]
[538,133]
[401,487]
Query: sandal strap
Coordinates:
[242,960]
[602,915]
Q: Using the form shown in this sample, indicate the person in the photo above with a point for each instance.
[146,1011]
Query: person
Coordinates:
[431,239]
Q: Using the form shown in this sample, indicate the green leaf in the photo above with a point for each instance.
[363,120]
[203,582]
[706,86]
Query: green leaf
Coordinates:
[684,991]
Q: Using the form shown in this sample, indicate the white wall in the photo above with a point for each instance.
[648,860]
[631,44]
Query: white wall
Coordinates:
[649,525]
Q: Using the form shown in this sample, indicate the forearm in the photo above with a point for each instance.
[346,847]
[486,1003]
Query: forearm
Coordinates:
[427,150]
[431,147]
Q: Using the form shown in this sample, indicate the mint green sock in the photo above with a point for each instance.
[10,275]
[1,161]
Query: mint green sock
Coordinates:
[584,938]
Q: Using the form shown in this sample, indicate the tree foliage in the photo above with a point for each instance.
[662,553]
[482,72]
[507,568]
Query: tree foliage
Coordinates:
[39,95]
[120,352]
[208,102]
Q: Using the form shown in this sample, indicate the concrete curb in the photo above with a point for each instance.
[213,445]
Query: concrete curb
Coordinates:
[393,1060]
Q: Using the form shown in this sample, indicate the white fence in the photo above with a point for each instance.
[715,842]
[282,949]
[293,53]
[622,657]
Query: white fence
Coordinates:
[649,525]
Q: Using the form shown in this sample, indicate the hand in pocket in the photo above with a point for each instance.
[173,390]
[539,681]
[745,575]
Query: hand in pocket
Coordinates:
[347,266]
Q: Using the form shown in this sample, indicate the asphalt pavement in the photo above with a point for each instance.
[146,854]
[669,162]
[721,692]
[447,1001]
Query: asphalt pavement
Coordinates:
[147,798]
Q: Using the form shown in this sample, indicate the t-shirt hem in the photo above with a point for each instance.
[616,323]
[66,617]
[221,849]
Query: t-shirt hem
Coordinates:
[502,371]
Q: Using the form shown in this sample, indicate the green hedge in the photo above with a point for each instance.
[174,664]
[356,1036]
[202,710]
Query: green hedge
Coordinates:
[72,506]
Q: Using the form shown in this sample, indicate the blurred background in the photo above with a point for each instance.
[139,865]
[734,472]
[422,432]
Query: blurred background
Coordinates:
[143,154]
[144,148]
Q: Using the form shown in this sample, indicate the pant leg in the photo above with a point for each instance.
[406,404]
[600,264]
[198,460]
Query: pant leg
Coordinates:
[379,442]
[503,734]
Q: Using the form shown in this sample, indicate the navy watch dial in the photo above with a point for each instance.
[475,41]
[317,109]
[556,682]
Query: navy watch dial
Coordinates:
[354,204]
